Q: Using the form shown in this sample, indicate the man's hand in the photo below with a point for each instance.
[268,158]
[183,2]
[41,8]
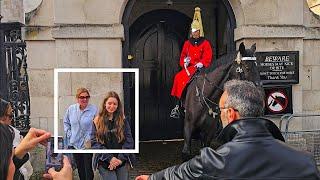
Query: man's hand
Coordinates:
[142,177]
[30,141]
[199,65]
[64,174]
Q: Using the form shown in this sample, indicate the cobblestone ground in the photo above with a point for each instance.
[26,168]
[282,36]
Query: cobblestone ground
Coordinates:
[156,156]
[153,157]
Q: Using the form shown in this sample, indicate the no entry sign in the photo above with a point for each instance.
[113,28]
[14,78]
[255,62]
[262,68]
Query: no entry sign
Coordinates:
[278,100]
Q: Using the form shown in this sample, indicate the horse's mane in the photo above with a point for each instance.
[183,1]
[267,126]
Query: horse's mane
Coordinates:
[224,59]
[220,74]
[216,78]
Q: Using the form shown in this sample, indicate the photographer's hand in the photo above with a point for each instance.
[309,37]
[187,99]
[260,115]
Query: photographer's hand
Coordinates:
[64,174]
[30,141]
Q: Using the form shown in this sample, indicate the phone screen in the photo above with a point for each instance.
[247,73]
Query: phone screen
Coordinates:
[54,159]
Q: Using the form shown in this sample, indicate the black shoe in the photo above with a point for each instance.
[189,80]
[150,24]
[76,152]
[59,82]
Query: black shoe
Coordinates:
[175,112]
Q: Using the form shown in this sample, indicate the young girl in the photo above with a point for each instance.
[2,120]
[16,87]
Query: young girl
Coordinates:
[112,131]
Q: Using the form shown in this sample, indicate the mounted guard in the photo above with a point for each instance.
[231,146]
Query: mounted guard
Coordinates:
[196,54]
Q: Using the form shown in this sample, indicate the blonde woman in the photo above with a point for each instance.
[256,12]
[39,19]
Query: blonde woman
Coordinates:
[112,131]
[78,128]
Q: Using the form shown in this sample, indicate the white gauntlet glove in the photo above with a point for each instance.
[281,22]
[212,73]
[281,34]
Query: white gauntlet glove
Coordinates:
[199,65]
[186,61]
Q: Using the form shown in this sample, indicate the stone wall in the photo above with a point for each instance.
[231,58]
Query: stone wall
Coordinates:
[12,11]
[71,34]
[82,33]
[288,25]
[79,33]
[97,83]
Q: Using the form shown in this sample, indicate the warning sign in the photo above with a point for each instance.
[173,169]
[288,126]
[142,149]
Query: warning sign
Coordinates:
[278,100]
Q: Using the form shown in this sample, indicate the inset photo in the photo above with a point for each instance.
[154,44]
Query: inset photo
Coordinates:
[96,110]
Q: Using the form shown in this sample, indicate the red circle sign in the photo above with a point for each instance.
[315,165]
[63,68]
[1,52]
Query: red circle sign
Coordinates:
[277,101]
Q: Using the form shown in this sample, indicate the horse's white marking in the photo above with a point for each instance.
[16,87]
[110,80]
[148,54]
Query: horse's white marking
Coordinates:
[238,59]
[239,70]
[248,58]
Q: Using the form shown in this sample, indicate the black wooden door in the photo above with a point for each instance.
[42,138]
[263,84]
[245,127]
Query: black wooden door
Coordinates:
[156,54]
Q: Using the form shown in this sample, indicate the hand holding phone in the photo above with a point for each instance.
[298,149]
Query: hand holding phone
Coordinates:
[64,174]
[54,159]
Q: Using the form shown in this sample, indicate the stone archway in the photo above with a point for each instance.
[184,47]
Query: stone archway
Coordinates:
[219,25]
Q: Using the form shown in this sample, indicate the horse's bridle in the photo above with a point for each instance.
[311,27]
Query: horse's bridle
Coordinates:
[239,59]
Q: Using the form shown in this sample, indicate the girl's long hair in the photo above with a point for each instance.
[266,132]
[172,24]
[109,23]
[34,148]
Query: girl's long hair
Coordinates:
[118,117]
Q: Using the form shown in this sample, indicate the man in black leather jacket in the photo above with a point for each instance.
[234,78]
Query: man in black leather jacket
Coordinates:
[253,147]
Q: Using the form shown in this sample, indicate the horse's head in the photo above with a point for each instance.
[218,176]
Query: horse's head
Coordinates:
[244,66]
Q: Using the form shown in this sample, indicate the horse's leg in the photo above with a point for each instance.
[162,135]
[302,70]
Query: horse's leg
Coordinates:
[186,151]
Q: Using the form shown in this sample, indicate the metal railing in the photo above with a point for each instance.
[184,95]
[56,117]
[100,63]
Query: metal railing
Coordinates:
[302,131]
[13,74]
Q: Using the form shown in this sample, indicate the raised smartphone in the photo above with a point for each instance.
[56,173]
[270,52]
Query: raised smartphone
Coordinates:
[54,159]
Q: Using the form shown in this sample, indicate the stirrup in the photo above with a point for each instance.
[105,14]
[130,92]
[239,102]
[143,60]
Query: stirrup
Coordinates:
[175,113]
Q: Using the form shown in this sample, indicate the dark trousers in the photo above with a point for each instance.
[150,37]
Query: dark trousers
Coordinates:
[84,166]
[121,173]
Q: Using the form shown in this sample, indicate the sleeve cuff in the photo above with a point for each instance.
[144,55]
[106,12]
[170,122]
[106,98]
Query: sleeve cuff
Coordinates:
[19,162]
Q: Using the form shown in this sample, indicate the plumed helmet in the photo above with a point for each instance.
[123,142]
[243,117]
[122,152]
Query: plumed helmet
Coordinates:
[197,22]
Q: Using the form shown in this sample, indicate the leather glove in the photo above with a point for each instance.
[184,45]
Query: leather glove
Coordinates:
[199,65]
[186,61]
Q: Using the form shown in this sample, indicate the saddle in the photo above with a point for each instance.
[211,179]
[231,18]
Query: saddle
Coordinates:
[175,112]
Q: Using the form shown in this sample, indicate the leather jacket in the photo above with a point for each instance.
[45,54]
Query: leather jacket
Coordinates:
[252,149]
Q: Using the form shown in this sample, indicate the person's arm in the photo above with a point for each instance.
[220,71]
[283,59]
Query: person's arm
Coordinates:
[67,127]
[128,143]
[209,161]
[33,137]
[207,54]
[184,53]
[18,162]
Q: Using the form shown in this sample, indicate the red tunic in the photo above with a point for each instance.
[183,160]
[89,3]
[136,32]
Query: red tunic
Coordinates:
[198,53]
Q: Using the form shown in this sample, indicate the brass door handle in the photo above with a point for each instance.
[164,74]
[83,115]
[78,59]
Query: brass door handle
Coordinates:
[130,57]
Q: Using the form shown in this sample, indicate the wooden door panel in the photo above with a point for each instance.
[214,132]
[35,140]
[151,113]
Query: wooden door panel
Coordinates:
[157,56]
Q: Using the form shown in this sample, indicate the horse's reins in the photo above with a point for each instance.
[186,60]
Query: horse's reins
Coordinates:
[204,98]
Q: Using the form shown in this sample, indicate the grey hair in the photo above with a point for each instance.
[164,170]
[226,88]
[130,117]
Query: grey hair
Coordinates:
[245,97]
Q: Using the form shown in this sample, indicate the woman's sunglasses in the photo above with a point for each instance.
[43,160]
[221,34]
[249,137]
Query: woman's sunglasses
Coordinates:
[84,97]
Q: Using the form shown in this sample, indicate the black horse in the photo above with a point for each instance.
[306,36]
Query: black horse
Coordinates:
[203,94]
